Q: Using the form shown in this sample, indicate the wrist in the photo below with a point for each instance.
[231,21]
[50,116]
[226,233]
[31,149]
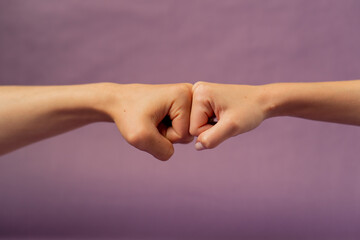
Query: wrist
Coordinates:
[274,99]
[96,98]
[290,99]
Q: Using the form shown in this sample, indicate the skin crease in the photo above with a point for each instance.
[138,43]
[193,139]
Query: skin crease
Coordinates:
[241,108]
[30,114]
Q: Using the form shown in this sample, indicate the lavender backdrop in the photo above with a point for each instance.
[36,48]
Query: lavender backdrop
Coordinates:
[288,179]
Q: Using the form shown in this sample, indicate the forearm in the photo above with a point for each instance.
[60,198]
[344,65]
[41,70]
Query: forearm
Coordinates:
[324,101]
[30,114]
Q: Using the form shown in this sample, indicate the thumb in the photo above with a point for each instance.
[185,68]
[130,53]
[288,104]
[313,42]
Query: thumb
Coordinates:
[216,134]
[148,138]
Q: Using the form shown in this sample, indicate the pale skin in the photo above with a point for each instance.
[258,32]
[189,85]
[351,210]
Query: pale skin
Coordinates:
[154,117]
[241,108]
[30,114]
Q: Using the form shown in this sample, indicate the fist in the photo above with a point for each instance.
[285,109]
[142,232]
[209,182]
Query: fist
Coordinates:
[237,109]
[152,117]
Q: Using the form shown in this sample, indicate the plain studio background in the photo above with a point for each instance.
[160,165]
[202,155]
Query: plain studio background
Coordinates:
[288,179]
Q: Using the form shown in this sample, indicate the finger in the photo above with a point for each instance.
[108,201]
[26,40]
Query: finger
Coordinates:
[179,114]
[148,138]
[158,145]
[175,137]
[201,111]
[216,134]
[178,132]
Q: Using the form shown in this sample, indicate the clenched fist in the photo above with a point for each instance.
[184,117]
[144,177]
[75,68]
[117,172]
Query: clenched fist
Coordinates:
[237,109]
[152,117]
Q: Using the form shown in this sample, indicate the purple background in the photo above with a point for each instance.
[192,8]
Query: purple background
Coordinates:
[288,179]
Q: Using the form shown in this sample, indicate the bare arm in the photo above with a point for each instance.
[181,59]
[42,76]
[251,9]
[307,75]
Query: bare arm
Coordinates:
[241,108]
[30,114]
[324,101]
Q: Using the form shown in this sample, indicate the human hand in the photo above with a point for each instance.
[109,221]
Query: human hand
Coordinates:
[152,117]
[238,109]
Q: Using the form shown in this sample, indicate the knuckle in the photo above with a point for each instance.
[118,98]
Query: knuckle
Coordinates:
[133,139]
[193,131]
[197,84]
[207,143]
[185,87]
[183,90]
[137,137]
[232,126]
[200,90]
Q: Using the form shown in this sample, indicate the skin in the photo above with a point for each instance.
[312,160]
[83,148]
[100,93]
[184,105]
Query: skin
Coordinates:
[241,108]
[154,117]
[31,114]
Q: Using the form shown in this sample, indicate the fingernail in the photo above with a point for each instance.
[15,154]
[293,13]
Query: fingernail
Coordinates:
[199,146]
